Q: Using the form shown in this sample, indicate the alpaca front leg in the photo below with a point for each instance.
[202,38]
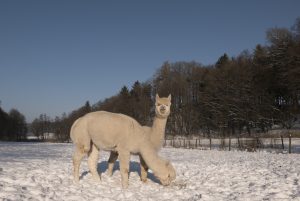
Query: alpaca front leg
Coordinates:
[77,157]
[124,168]
[93,156]
[111,161]
[144,169]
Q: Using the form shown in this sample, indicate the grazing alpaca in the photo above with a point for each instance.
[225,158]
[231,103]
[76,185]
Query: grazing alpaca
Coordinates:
[119,133]
[156,134]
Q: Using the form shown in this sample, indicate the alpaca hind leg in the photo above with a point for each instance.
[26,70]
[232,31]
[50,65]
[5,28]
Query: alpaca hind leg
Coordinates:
[124,158]
[77,157]
[144,169]
[93,156]
[111,161]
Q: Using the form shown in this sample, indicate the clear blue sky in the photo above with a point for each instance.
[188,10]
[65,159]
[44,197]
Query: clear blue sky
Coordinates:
[55,55]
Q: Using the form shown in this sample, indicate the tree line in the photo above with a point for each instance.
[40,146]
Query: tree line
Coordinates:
[13,125]
[249,92]
[245,94]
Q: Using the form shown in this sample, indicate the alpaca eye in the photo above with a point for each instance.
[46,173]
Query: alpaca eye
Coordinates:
[158,104]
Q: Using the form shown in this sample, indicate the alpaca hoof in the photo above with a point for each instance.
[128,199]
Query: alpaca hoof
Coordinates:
[109,173]
[144,180]
[97,179]
[124,185]
[76,180]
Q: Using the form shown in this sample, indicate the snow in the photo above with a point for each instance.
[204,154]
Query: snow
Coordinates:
[43,171]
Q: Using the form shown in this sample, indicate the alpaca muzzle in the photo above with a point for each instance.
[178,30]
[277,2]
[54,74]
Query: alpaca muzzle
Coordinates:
[162,109]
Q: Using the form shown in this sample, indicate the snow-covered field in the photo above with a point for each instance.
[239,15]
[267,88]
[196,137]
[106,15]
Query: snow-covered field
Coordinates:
[43,171]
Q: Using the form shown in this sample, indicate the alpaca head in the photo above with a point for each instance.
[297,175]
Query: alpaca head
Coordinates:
[166,174]
[162,106]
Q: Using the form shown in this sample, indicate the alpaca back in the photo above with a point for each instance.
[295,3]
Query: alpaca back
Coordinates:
[108,130]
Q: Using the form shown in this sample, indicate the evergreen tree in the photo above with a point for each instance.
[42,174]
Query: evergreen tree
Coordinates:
[4,119]
[222,61]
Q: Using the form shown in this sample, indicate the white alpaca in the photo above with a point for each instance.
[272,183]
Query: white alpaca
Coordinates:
[156,134]
[119,133]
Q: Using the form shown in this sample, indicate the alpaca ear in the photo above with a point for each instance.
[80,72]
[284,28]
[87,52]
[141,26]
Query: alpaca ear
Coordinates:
[157,97]
[169,97]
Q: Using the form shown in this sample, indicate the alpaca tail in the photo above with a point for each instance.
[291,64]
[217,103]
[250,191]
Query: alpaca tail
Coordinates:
[72,132]
[79,135]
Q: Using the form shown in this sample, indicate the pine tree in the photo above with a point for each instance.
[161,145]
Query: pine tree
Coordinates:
[222,61]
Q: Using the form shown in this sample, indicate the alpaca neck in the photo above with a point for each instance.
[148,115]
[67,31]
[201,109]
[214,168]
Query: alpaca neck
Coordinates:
[153,161]
[158,131]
